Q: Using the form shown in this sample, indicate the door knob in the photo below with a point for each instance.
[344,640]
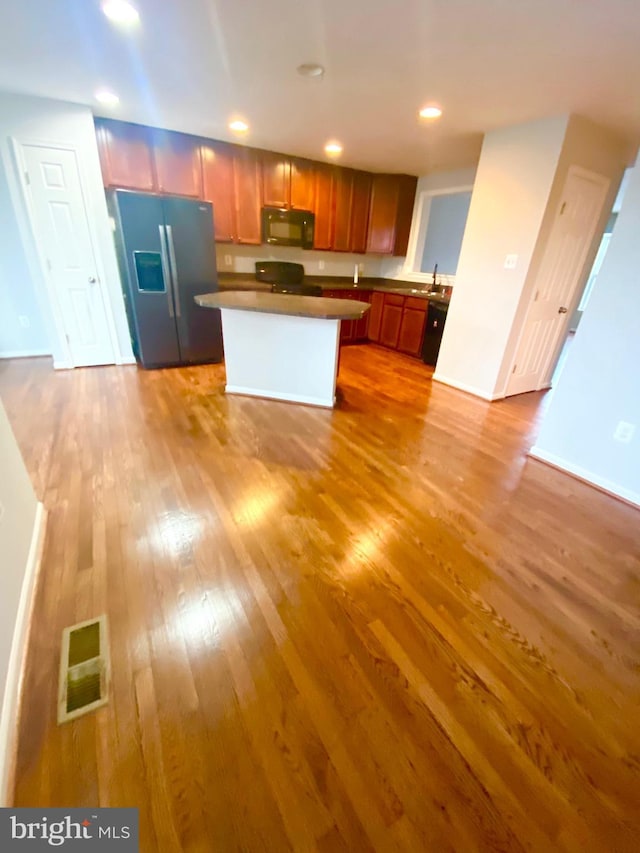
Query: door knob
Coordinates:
[92,279]
[562,310]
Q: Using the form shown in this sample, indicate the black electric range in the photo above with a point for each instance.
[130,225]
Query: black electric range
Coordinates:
[285,277]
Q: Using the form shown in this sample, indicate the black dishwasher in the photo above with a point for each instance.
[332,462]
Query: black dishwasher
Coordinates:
[433,329]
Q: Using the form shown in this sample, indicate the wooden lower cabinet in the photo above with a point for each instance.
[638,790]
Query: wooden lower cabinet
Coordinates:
[412,327]
[390,325]
[352,331]
[375,315]
[397,321]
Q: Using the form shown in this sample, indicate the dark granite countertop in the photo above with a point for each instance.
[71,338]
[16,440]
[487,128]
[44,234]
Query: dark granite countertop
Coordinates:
[318,307]
[246,282]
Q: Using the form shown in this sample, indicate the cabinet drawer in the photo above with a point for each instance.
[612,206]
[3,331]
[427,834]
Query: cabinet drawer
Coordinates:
[415,303]
[392,299]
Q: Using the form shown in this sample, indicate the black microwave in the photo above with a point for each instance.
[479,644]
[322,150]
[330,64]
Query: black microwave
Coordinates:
[282,227]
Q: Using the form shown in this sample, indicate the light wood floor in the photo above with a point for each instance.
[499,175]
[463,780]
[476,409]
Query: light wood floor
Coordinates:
[378,628]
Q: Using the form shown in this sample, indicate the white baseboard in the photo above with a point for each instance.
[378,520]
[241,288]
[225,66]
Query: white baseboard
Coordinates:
[9,713]
[469,389]
[324,402]
[62,365]
[23,353]
[127,359]
[585,475]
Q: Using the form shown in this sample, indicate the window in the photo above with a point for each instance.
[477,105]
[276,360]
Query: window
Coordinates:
[438,230]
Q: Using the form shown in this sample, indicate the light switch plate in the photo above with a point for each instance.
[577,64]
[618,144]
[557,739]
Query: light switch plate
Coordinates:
[624,432]
[510,262]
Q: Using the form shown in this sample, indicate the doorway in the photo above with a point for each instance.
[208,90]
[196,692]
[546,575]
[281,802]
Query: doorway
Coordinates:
[547,321]
[56,207]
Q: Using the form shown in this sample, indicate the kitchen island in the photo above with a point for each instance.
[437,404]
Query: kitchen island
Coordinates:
[282,346]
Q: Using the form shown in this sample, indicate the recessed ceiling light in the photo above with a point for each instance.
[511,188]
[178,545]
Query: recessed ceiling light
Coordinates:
[310,69]
[333,149]
[238,126]
[430,112]
[120,12]
[109,99]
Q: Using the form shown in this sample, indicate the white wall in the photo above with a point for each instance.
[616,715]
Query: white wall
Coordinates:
[600,382]
[24,290]
[243,259]
[18,507]
[510,194]
[18,297]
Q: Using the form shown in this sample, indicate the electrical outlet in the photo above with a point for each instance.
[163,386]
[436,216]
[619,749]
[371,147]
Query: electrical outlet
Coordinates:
[624,432]
[320,265]
[510,262]
[227,260]
[24,321]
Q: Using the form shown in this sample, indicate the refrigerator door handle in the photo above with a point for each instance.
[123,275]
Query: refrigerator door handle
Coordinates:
[166,269]
[174,269]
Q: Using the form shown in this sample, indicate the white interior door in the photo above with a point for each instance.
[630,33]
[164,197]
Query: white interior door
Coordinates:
[547,320]
[61,231]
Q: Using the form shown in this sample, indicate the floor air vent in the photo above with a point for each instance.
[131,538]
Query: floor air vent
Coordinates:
[84,669]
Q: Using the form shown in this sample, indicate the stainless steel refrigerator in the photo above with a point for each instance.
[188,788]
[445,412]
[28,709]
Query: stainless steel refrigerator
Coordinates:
[167,255]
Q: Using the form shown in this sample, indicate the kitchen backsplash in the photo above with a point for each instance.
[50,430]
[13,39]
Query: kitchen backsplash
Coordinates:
[232,258]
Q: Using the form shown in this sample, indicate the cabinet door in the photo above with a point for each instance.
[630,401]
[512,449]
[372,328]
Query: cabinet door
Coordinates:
[247,180]
[178,166]
[125,153]
[303,185]
[276,179]
[343,179]
[390,325]
[382,214]
[412,330]
[406,199]
[324,209]
[361,198]
[217,187]
[375,315]
[362,325]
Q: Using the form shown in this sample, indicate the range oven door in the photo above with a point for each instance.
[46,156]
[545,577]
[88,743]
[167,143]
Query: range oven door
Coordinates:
[281,227]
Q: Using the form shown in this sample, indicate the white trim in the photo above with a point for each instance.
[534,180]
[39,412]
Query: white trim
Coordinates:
[326,403]
[62,365]
[468,389]
[585,475]
[23,353]
[418,232]
[9,715]
[126,359]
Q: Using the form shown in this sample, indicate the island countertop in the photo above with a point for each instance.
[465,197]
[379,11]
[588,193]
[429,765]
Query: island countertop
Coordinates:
[316,307]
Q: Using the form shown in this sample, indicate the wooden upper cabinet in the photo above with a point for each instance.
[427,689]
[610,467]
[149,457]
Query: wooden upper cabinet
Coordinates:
[178,165]
[360,211]
[343,183]
[126,156]
[276,179]
[303,185]
[382,214]
[218,188]
[324,207]
[247,182]
[390,213]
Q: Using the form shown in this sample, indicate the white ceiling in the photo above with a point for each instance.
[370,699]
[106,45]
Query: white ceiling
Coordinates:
[191,64]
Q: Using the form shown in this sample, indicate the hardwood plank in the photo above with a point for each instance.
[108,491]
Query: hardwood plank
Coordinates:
[376,628]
